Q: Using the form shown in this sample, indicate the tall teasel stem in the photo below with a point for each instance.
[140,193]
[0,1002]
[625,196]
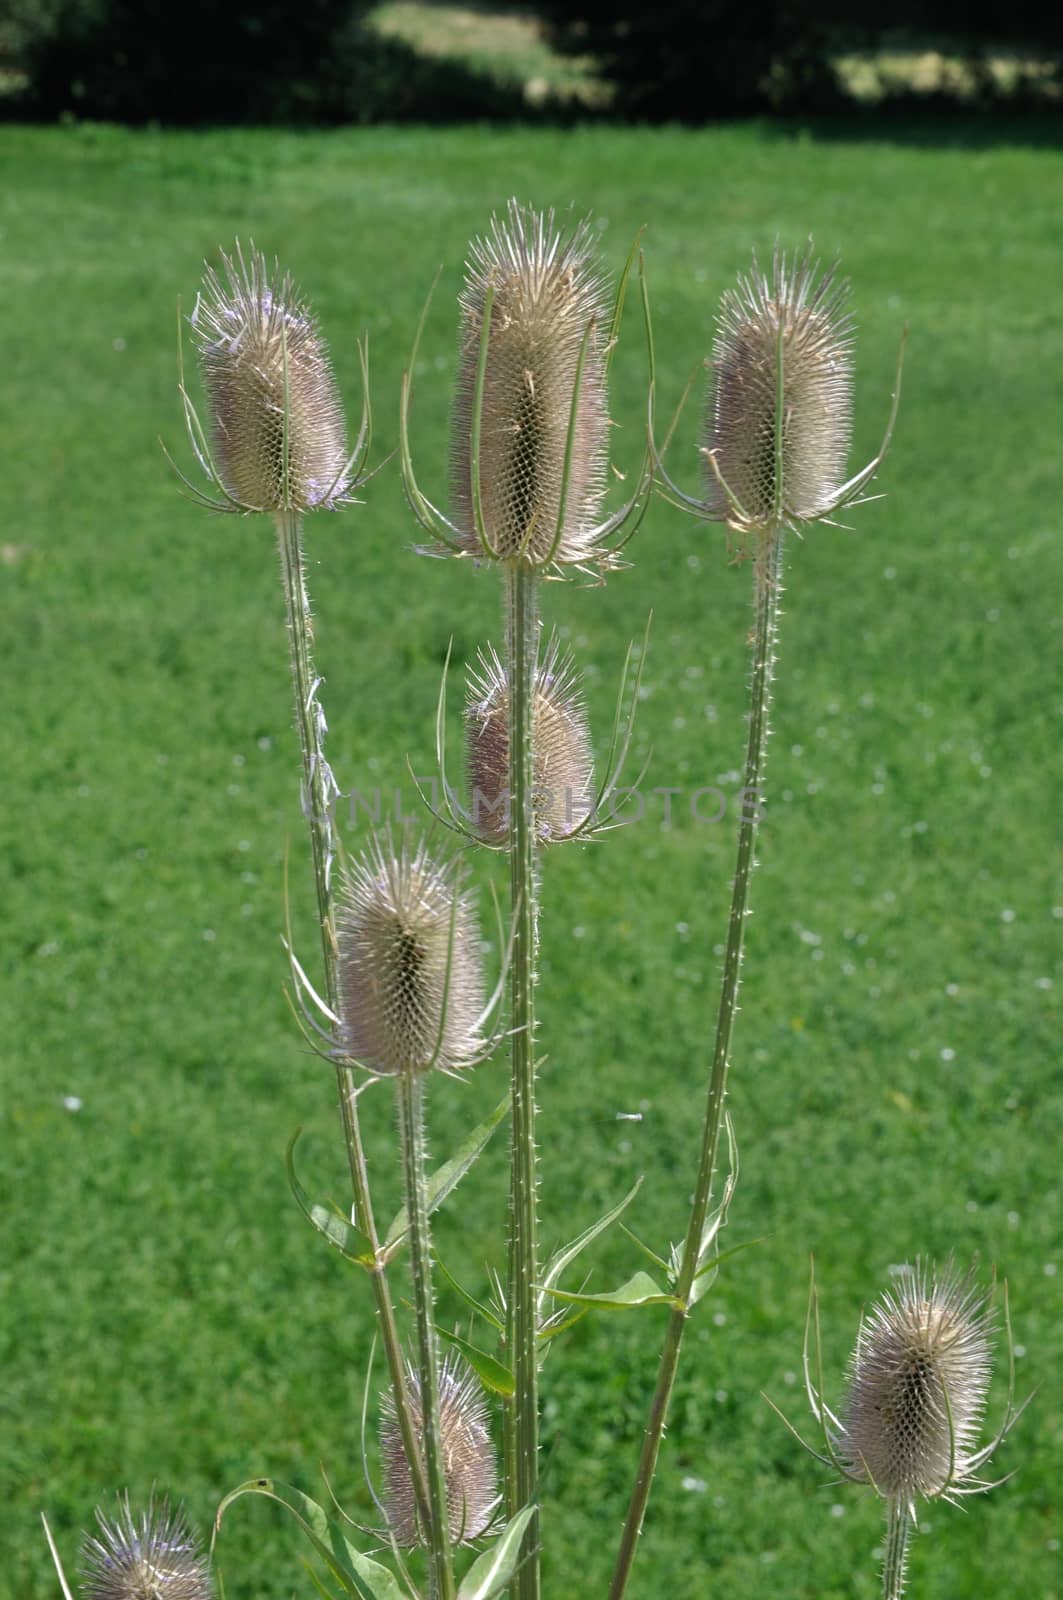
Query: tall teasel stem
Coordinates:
[530,475]
[319,786]
[279,445]
[779,429]
[768,566]
[319,790]
[898,1527]
[436,1530]
[521,654]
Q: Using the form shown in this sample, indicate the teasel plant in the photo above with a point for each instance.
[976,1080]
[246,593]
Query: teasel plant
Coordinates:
[776,440]
[411,1007]
[145,1554]
[529,471]
[275,443]
[412,1003]
[918,1382]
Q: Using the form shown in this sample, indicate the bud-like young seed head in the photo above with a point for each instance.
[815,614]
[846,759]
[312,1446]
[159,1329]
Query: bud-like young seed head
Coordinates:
[562,763]
[781,404]
[548,315]
[277,420]
[410,975]
[918,1382]
[468,1458]
[150,1557]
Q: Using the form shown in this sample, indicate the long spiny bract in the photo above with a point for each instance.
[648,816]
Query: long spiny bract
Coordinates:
[562,762]
[468,1458]
[411,982]
[780,412]
[542,405]
[153,1556]
[277,421]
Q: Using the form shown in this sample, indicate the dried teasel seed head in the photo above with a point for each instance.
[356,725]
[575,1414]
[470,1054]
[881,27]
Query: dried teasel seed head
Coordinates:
[546,349]
[278,429]
[562,763]
[918,1382]
[153,1556]
[468,1458]
[410,974]
[780,407]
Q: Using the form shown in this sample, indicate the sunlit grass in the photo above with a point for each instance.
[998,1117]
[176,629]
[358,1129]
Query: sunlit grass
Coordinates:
[165,1316]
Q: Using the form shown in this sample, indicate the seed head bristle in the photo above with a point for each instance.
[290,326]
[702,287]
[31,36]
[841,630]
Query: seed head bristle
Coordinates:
[153,1556]
[918,1382]
[548,304]
[781,448]
[562,762]
[410,972]
[277,420]
[468,1457]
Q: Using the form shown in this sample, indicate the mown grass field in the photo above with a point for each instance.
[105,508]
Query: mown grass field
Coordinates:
[165,1315]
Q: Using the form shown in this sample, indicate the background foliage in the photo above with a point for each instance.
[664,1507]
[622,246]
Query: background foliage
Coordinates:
[165,1315]
[695,61]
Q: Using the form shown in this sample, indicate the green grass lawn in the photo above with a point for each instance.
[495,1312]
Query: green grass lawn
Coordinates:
[165,1315]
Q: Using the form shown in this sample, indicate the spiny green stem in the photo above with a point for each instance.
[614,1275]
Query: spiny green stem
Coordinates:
[768,568]
[522,1330]
[509,1444]
[436,1530]
[898,1527]
[319,790]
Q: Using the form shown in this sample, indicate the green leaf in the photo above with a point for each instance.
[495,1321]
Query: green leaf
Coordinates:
[351,1244]
[637,1291]
[449,1175]
[470,1300]
[326,1594]
[651,1255]
[490,1574]
[359,1576]
[569,1252]
[489,1369]
[551,1330]
[704,1277]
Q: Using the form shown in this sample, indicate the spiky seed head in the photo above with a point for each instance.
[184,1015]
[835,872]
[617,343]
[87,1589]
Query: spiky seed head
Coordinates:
[562,763]
[918,1382]
[468,1457]
[277,420]
[781,401]
[150,1556]
[548,314]
[410,971]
